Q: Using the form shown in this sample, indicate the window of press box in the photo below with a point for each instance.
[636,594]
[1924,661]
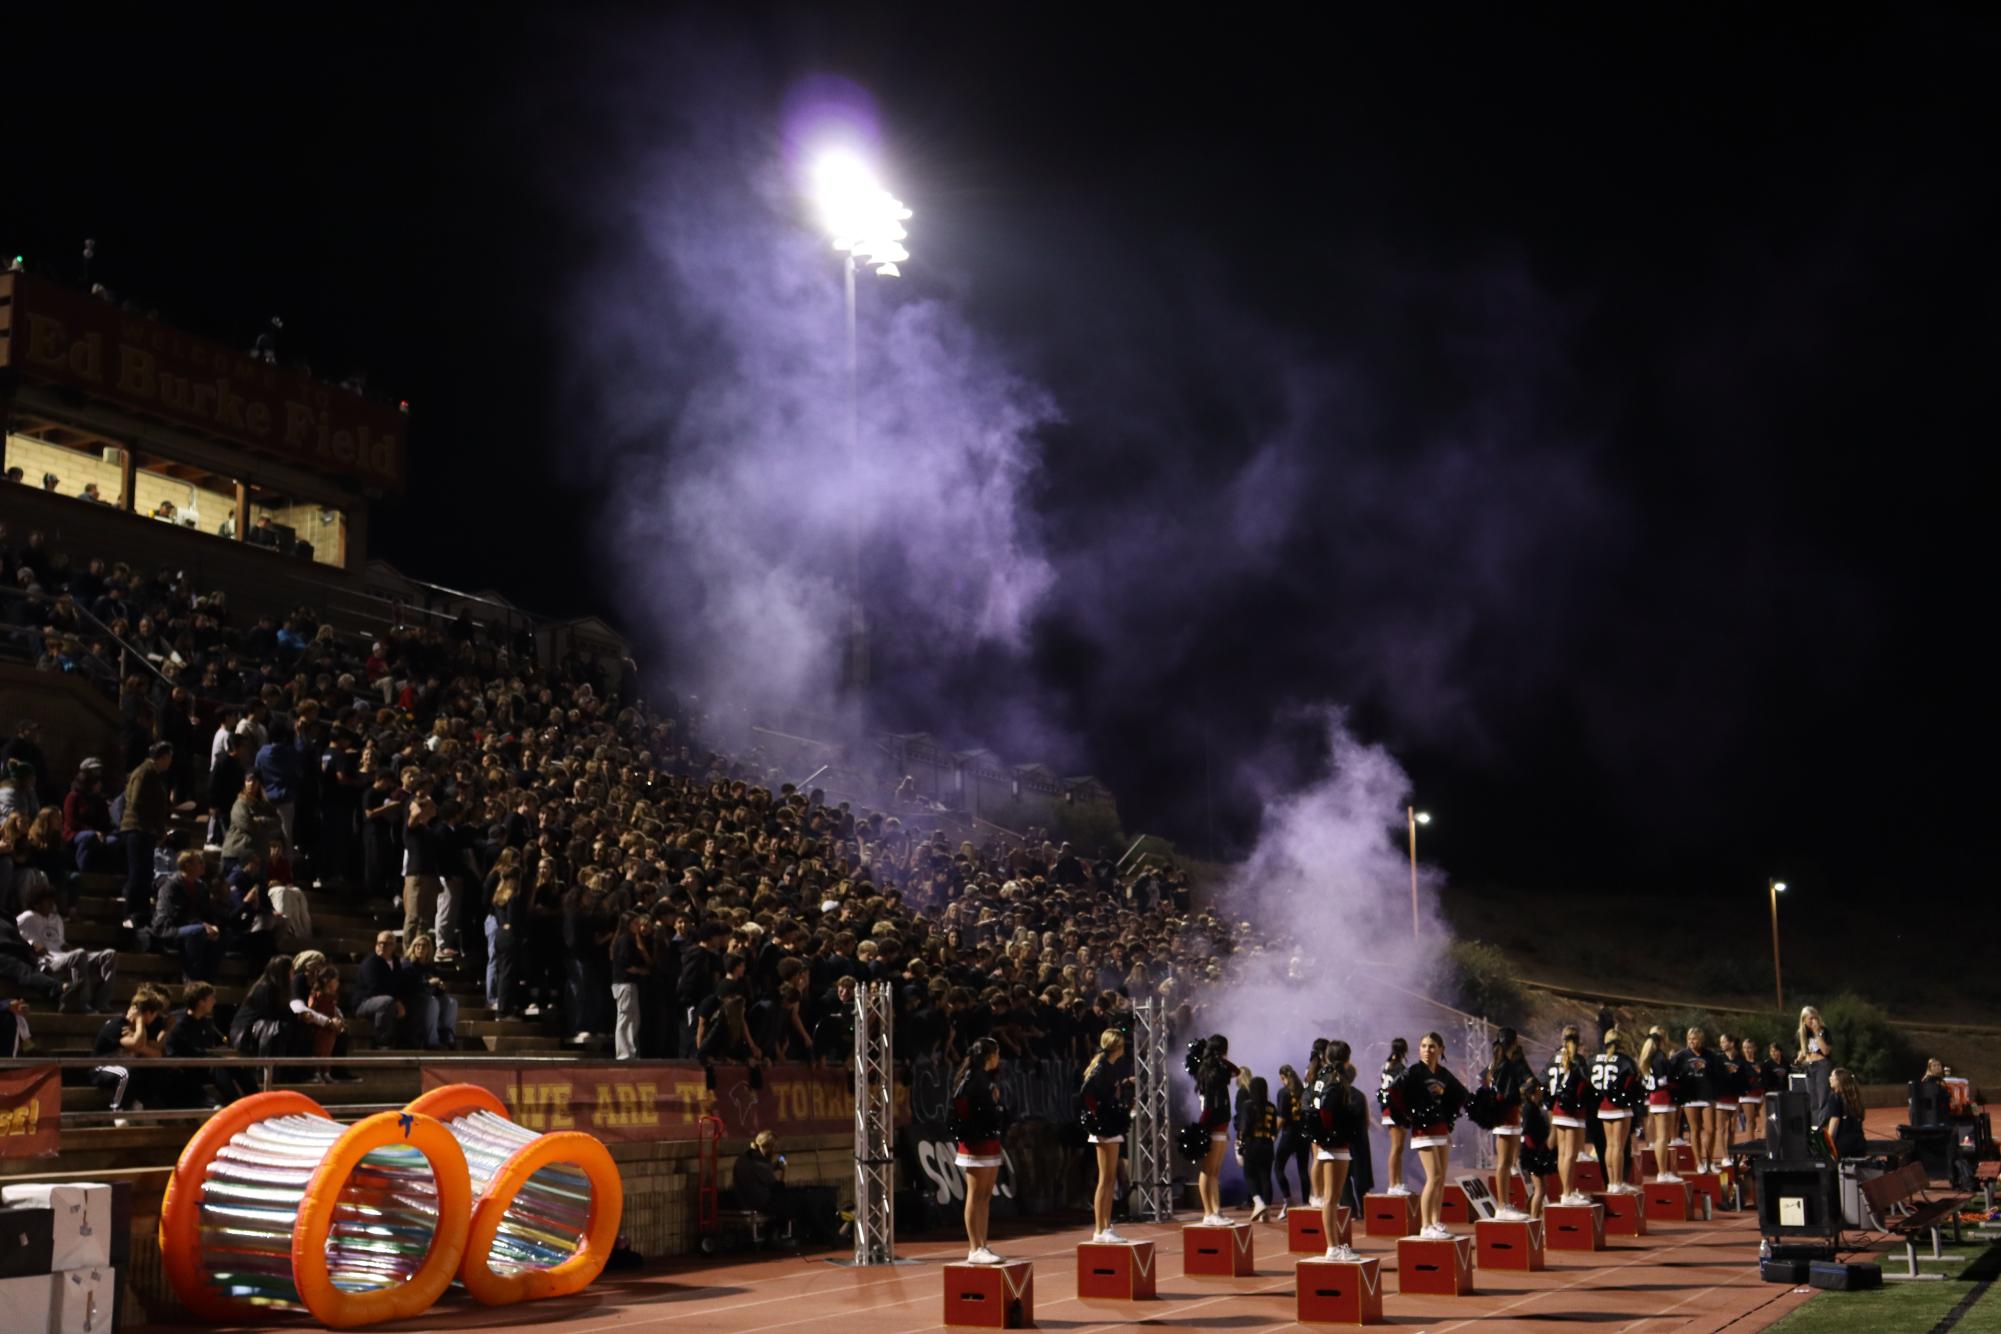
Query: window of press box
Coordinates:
[65,460]
[296,527]
[184,495]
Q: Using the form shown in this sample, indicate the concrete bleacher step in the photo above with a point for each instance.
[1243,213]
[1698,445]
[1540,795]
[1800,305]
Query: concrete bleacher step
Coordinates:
[160,968]
[335,913]
[75,1032]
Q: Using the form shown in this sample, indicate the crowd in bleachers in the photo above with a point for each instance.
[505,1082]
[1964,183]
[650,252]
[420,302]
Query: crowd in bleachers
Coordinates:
[583,858]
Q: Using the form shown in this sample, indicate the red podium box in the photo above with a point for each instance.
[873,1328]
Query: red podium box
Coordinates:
[998,1296]
[1518,1189]
[1217,1252]
[1684,1155]
[1340,1292]
[1587,1176]
[1625,1214]
[1305,1234]
[1667,1200]
[1705,1183]
[1502,1243]
[1120,1271]
[1647,1168]
[1454,1207]
[1574,1227]
[1442,1267]
[1389,1215]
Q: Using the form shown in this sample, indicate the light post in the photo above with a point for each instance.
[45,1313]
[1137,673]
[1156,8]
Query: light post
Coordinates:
[865,223]
[1778,887]
[1414,817]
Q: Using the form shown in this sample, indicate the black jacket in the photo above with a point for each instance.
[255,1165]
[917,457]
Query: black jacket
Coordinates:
[977,1113]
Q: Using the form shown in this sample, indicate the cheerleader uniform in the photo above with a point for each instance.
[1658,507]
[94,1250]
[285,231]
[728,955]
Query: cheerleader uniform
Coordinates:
[1569,1094]
[1615,1078]
[1510,1077]
[1727,1075]
[1432,1100]
[1694,1077]
[1393,1070]
[1215,1116]
[1658,1081]
[977,1120]
[1751,1093]
[1336,1115]
[1104,1113]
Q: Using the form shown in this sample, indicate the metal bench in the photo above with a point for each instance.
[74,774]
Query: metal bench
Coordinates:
[1898,1204]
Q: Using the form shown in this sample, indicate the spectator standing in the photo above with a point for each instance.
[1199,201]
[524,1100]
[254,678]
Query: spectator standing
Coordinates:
[148,806]
[631,965]
[423,861]
[277,764]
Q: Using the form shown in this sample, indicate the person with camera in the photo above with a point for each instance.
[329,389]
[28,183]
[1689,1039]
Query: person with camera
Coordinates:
[759,1182]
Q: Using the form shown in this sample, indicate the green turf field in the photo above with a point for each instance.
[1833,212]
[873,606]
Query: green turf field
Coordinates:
[1967,1302]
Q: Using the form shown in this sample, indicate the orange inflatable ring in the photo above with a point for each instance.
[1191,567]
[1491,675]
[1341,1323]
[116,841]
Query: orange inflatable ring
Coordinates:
[344,1310]
[180,1207]
[497,1193]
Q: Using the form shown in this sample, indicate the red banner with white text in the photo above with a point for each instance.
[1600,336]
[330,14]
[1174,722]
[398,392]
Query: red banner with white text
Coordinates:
[665,1099]
[31,1108]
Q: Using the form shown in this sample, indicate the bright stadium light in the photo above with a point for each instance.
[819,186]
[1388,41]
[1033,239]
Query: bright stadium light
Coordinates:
[1424,817]
[864,220]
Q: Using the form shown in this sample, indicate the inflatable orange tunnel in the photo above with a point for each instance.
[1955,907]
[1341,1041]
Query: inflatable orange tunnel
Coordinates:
[276,1206]
[546,1208]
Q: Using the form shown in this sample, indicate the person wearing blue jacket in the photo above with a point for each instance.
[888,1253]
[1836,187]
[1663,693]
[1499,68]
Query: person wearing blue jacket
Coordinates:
[278,765]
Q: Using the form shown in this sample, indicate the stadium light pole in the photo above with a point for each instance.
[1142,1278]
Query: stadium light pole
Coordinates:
[865,223]
[1777,887]
[1414,817]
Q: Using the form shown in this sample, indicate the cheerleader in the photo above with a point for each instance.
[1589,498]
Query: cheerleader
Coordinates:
[977,1121]
[1336,1114]
[1393,1072]
[1509,1076]
[1294,1149]
[1772,1074]
[1617,1081]
[1569,1086]
[1751,1099]
[1208,1061]
[1696,1084]
[1657,1077]
[1107,1105]
[1538,1150]
[1729,1081]
[1430,1098]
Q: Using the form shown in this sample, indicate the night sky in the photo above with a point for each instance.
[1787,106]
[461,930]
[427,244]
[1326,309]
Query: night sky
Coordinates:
[1614,391]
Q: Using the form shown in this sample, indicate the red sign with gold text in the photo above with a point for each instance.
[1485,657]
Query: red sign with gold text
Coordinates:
[48,332]
[31,1108]
[662,1100]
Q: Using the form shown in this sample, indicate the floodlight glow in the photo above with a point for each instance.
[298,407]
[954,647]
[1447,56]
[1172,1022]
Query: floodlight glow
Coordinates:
[1778,886]
[863,219]
[1424,817]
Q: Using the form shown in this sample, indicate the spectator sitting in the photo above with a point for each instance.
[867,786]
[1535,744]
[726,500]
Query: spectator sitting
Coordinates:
[288,899]
[17,790]
[185,914]
[26,747]
[20,969]
[383,992]
[759,1183]
[436,1009]
[263,1023]
[191,1035]
[87,828]
[132,1038]
[87,975]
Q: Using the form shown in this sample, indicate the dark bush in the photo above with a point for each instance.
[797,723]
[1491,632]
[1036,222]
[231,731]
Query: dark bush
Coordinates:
[1484,983]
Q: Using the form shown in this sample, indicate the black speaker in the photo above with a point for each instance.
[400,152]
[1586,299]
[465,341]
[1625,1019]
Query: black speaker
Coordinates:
[1800,1199]
[1788,1124]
